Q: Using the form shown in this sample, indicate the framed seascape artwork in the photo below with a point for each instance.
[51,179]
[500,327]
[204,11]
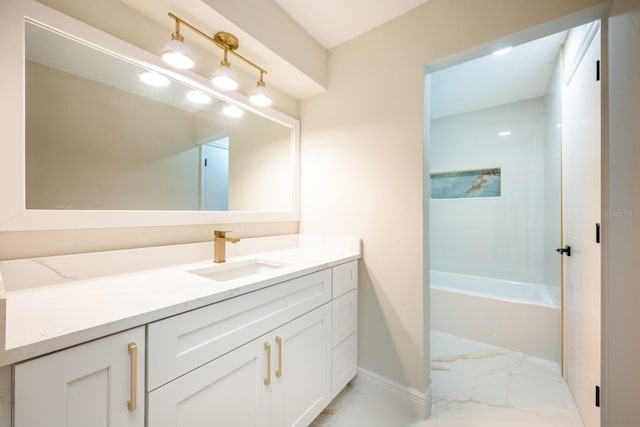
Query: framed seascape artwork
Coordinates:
[467,184]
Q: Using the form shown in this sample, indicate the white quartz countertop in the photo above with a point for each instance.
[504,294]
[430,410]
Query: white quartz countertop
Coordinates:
[42,319]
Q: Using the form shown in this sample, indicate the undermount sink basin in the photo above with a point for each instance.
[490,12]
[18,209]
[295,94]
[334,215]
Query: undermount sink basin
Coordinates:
[238,270]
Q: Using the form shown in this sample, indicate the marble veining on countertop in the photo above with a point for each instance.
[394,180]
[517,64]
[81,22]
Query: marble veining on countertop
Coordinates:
[50,310]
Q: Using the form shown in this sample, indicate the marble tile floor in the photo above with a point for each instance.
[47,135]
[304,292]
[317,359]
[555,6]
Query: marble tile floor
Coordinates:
[474,385]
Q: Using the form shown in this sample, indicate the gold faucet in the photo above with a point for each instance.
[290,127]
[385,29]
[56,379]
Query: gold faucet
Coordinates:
[220,245]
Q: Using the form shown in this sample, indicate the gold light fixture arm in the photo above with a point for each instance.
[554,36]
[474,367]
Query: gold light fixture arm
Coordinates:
[176,33]
[225,41]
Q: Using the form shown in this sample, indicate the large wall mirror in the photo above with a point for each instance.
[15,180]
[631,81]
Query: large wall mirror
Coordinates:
[109,138]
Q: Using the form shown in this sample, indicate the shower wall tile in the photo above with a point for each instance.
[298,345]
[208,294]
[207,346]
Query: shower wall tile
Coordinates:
[495,237]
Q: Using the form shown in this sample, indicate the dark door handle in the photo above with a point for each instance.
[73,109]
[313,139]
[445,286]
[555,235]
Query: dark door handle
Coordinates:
[565,250]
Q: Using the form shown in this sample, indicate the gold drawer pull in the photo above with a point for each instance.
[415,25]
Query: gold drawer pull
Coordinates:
[279,371]
[267,347]
[133,355]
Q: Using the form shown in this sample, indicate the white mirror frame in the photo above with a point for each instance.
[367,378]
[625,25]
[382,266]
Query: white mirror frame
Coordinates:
[13,213]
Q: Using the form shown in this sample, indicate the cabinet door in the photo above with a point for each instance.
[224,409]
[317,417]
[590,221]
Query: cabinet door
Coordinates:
[229,391]
[301,369]
[85,386]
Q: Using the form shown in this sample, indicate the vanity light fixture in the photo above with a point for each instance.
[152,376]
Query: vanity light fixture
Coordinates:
[504,133]
[198,97]
[175,53]
[154,79]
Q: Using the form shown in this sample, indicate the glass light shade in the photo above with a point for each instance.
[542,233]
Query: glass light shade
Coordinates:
[260,96]
[224,78]
[198,97]
[154,79]
[177,54]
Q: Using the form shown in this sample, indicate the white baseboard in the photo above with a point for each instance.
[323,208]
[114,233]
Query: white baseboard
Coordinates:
[417,403]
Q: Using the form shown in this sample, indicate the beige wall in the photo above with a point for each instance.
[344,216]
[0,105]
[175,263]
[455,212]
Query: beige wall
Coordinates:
[362,161]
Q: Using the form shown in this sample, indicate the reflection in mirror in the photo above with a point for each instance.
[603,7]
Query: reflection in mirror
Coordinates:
[100,138]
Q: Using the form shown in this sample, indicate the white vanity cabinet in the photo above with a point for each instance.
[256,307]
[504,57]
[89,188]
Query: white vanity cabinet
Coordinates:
[273,357]
[100,383]
[261,359]
[279,379]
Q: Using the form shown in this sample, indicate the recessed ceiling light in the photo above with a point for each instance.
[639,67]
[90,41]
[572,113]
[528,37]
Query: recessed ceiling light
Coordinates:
[233,111]
[198,97]
[153,78]
[504,133]
[502,51]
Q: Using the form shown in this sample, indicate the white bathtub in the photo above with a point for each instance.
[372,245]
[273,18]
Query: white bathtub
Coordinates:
[519,316]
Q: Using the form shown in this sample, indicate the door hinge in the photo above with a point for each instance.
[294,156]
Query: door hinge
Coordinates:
[598,70]
[205,163]
[597,232]
[598,396]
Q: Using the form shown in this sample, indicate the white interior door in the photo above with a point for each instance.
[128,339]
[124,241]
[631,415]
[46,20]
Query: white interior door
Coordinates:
[215,174]
[581,216]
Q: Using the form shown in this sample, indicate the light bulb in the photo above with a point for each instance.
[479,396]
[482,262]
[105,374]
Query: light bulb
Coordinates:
[154,79]
[233,111]
[260,95]
[224,78]
[198,97]
[177,54]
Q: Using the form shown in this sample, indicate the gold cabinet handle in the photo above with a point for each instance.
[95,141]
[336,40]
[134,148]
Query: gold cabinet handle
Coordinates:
[279,371]
[267,379]
[133,356]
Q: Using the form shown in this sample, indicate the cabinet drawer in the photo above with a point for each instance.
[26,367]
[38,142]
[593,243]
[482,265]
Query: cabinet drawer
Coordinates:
[345,278]
[344,364]
[344,316]
[184,342]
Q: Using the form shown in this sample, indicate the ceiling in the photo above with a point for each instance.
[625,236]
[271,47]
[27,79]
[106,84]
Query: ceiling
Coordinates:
[490,81]
[333,22]
[482,83]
